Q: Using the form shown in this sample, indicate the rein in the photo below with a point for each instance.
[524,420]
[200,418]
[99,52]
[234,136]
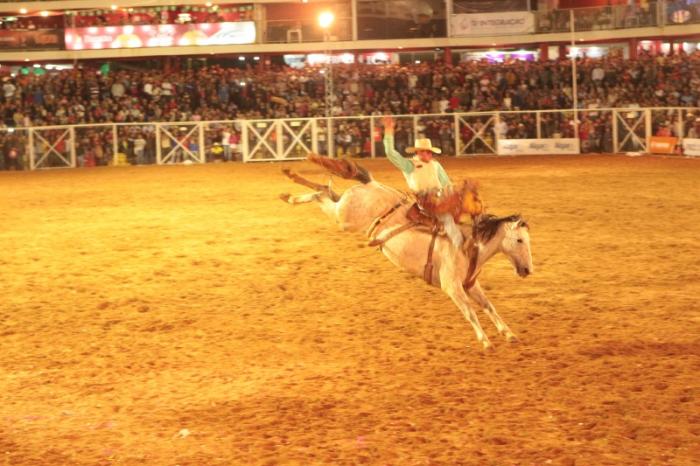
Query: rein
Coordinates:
[377,221]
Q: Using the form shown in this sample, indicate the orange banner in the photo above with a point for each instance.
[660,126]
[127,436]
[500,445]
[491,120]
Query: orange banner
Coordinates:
[663,145]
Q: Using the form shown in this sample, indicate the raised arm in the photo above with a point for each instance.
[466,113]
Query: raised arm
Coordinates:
[392,154]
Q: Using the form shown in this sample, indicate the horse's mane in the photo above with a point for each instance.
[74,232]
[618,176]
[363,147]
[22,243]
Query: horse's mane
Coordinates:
[487,225]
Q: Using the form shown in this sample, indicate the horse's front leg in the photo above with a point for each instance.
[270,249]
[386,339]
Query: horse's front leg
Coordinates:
[452,286]
[478,295]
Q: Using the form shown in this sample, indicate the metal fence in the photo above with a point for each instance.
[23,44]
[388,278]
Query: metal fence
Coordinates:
[604,130]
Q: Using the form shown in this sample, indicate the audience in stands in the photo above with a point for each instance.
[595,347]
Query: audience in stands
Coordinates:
[215,93]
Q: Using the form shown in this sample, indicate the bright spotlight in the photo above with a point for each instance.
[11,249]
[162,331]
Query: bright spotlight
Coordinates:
[325,19]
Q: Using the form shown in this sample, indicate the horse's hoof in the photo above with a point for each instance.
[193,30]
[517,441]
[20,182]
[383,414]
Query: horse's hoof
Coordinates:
[512,339]
[488,347]
[285,197]
[287,171]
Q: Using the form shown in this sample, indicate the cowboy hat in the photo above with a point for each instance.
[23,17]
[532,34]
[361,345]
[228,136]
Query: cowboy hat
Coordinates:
[424,144]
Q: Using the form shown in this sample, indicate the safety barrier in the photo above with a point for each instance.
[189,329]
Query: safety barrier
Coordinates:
[609,130]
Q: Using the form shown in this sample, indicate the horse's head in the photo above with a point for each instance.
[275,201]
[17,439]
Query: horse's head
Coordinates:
[509,235]
[515,244]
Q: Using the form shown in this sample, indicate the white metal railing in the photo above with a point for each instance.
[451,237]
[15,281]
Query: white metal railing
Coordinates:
[610,130]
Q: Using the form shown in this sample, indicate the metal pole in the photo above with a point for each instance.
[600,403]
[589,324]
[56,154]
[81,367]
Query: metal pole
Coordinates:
[353,15]
[449,8]
[573,70]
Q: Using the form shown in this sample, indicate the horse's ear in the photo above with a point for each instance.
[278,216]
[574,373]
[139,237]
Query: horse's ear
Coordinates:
[523,224]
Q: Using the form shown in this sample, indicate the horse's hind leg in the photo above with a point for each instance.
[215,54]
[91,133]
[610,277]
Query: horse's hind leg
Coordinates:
[478,295]
[301,199]
[310,184]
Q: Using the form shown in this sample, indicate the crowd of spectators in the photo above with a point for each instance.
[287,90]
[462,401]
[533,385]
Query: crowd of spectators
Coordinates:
[216,93]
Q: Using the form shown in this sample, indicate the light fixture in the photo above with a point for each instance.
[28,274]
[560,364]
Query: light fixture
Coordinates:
[26,59]
[44,13]
[241,58]
[23,11]
[325,19]
[208,4]
[113,7]
[256,58]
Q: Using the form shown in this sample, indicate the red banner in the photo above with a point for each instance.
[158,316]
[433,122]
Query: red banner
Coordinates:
[37,39]
[160,35]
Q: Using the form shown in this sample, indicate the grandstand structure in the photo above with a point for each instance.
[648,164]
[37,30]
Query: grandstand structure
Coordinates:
[102,38]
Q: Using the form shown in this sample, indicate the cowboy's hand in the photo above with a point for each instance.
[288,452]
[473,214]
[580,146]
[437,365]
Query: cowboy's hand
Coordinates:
[389,124]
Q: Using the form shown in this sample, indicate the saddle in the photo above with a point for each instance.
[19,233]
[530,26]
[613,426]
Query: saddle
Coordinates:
[462,204]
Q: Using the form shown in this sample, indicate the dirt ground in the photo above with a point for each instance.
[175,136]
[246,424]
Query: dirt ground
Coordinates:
[184,315]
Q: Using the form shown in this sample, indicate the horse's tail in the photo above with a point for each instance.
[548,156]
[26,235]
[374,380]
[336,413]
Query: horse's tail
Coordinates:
[343,168]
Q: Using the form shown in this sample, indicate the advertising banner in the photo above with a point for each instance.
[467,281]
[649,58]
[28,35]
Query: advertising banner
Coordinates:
[691,147]
[662,145]
[37,39]
[493,24]
[538,146]
[160,35]
[488,6]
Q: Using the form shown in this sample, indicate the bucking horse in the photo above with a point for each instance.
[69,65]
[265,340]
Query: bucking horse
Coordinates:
[383,213]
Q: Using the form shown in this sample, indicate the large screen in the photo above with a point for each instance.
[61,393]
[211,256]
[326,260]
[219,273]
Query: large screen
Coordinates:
[161,35]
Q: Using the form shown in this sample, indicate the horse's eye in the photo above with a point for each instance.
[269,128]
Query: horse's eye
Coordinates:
[520,240]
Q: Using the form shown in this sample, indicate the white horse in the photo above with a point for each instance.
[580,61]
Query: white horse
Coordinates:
[361,206]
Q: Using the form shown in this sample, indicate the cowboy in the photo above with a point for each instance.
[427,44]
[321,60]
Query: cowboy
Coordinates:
[423,174]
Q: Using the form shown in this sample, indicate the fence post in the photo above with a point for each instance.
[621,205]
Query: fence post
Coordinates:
[455,122]
[202,151]
[647,130]
[496,135]
[680,129]
[279,139]
[614,132]
[331,142]
[314,136]
[115,144]
[32,153]
[244,141]
[538,118]
[159,149]
[71,135]
[415,129]
[372,149]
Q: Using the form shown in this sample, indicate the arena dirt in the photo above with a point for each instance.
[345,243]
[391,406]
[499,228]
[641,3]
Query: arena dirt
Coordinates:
[184,315]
